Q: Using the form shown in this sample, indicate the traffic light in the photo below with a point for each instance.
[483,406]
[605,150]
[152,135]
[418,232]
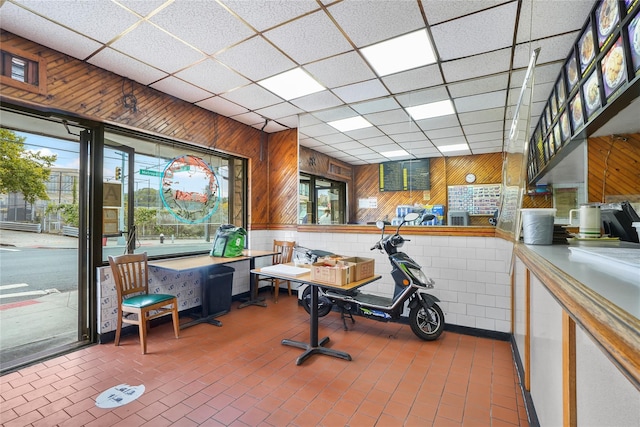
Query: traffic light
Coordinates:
[118,173]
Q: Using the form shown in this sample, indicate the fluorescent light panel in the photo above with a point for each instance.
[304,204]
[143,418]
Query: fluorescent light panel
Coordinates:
[434,109]
[291,84]
[453,147]
[401,53]
[352,123]
[396,153]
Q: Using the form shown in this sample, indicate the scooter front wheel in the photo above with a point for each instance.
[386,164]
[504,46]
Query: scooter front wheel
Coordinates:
[426,324]
[324,304]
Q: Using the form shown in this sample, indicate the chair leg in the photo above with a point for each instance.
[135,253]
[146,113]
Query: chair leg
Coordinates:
[142,326]
[276,284]
[176,320]
[118,328]
[289,286]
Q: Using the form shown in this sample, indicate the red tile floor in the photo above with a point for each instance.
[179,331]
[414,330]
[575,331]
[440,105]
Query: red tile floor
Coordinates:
[240,375]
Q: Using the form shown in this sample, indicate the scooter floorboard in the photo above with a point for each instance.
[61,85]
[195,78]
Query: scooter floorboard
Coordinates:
[373,300]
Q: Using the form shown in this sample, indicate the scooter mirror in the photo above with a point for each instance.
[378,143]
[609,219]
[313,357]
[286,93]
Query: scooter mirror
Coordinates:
[380,225]
[411,216]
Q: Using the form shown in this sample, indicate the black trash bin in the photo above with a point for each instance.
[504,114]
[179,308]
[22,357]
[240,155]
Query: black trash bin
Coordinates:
[216,295]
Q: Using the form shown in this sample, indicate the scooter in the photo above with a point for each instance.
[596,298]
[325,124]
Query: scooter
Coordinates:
[425,316]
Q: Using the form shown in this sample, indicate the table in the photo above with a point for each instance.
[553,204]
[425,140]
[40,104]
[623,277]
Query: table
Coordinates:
[314,346]
[204,261]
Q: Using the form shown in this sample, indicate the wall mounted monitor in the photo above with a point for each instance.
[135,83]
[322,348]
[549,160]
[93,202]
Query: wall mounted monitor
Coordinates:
[633,32]
[571,70]
[577,113]
[586,48]
[614,68]
[607,17]
[591,94]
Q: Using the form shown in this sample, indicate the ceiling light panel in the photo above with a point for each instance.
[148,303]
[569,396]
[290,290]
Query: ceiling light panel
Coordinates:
[401,53]
[394,153]
[472,34]
[188,19]
[292,84]
[352,123]
[434,109]
[294,38]
[453,147]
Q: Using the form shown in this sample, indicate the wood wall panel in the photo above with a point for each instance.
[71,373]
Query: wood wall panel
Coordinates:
[444,172]
[79,89]
[613,167]
[283,178]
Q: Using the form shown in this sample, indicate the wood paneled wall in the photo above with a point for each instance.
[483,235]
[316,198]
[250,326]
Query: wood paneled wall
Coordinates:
[283,178]
[614,167]
[80,89]
[444,172]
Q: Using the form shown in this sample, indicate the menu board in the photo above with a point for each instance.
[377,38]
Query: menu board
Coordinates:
[475,199]
[607,16]
[586,48]
[614,72]
[405,175]
[634,42]
[591,93]
[572,71]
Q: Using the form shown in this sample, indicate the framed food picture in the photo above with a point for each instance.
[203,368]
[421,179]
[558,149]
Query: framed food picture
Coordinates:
[551,145]
[613,65]
[577,113]
[543,121]
[591,94]
[560,91]
[571,70]
[556,136]
[633,31]
[554,105]
[547,114]
[607,17]
[565,126]
[586,48]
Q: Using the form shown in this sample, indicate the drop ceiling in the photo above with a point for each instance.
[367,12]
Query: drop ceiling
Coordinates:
[213,54]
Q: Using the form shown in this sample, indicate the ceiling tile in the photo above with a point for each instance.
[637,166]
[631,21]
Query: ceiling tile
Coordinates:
[444,133]
[393,129]
[290,122]
[544,18]
[423,97]
[317,101]
[204,25]
[475,34]
[361,91]
[334,138]
[489,136]
[497,149]
[294,38]
[264,14]
[496,126]
[340,70]
[222,106]
[250,118]
[376,105]
[438,122]
[319,129]
[256,59]
[480,85]
[181,89]
[482,116]
[551,49]
[284,109]
[273,126]
[418,78]
[347,146]
[364,133]
[481,102]
[156,48]
[252,97]
[99,20]
[126,66]
[377,141]
[368,22]
[477,66]
[388,117]
[40,30]
[439,11]
[213,76]
[408,137]
[449,141]
[332,114]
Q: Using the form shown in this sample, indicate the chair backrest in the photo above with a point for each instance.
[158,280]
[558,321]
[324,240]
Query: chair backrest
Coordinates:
[130,273]
[285,251]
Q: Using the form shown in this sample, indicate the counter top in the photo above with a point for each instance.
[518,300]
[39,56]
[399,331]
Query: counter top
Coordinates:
[603,300]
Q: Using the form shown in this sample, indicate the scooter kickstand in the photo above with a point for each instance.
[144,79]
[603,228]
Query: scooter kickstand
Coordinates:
[343,315]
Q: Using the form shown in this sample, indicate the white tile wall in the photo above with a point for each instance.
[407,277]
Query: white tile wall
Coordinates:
[471,274]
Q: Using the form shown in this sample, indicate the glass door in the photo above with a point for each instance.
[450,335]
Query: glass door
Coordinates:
[42,215]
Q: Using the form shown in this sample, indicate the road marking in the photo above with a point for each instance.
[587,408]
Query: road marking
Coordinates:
[9,250]
[30,293]
[18,304]
[16,285]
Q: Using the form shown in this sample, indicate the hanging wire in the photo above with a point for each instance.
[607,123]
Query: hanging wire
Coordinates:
[129,100]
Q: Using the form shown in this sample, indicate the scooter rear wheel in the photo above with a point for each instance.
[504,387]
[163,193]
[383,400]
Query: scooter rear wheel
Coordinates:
[324,304]
[427,324]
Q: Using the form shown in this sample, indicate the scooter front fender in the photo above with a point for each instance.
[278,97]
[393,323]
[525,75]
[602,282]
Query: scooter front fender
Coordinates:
[425,299]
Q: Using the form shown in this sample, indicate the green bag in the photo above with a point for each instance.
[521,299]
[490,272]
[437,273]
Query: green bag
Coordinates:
[229,241]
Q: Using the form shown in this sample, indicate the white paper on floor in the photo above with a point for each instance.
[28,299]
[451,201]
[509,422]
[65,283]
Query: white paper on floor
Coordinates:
[119,395]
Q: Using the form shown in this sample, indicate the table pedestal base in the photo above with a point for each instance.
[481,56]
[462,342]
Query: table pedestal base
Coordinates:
[319,349]
[254,301]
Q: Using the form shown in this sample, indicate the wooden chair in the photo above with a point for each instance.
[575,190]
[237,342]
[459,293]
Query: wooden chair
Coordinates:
[285,253]
[130,273]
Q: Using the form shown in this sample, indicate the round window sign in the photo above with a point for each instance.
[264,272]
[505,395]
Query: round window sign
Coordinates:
[190,189]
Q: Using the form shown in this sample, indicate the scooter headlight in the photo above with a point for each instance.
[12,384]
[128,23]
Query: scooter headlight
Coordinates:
[419,276]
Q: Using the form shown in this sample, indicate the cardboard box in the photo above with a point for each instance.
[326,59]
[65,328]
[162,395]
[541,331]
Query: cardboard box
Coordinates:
[334,272]
[362,267]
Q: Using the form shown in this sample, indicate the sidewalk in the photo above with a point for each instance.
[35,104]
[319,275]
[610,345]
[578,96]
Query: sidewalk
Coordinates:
[25,239]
